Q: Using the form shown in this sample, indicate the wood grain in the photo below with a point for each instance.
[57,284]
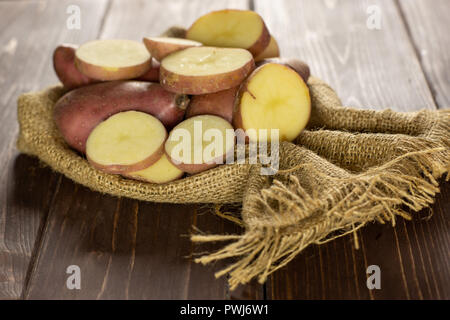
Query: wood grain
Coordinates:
[374,69]
[134,250]
[30,31]
[128,249]
[427,23]
[369,69]
[125,249]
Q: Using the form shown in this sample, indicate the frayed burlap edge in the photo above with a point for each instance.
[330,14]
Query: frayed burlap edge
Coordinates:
[283,219]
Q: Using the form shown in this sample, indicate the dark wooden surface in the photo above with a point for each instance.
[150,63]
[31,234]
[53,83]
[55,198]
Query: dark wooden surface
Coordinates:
[137,250]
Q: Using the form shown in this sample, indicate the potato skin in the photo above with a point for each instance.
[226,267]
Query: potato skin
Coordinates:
[71,77]
[196,85]
[262,43]
[103,74]
[64,66]
[175,32]
[192,168]
[218,104]
[295,64]
[160,49]
[271,51]
[152,75]
[79,111]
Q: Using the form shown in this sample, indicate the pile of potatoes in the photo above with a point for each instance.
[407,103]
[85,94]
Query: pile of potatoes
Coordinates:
[129,102]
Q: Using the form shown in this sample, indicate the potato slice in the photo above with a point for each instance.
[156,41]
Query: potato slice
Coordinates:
[113,59]
[231,28]
[126,142]
[161,47]
[200,143]
[202,70]
[162,171]
[271,51]
[273,97]
[68,74]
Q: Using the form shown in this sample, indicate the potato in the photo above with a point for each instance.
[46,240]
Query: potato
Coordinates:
[161,47]
[273,97]
[64,66]
[271,51]
[108,60]
[79,111]
[297,65]
[71,78]
[202,70]
[231,28]
[152,75]
[200,143]
[220,104]
[126,142]
[175,32]
[162,171]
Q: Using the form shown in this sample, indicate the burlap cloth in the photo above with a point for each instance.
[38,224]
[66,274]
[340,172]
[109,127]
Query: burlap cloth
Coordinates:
[350,167]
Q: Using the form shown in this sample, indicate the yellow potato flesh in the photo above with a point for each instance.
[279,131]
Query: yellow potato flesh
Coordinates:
[227,28]
[125,138]
[160,172]
[197,142]
[113,54]
[203,61]
[276,98]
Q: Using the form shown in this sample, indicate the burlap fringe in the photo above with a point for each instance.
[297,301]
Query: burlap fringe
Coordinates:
[296,219]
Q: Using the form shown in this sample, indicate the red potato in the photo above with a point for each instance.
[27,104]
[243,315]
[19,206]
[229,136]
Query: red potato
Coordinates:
[202,70]
[232,29]
[274,97]
[152,75]
[175,32]
[297,65]
[271,51]
[79,111]
[108,60]
[126,142]
[64,66]
[200,143]
[162,171]
[220,104]
[71,78]
[161,47]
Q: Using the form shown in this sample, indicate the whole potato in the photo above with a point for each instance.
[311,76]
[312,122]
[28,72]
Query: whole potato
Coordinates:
[71,78]
[64,65]
[218,104]
[79,111]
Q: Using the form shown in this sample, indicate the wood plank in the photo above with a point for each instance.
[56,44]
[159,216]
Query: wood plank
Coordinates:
[428,25]
[30,31]
[125,248]
[369,69]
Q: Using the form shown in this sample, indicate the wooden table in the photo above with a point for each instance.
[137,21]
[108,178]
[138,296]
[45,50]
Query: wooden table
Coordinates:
[137,250]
